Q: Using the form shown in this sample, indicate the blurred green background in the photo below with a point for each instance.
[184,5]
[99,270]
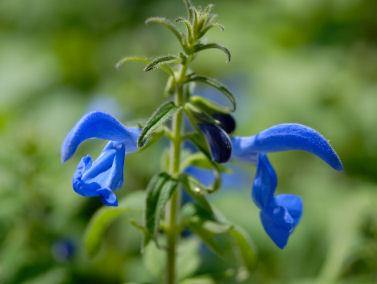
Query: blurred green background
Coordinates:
[307,61]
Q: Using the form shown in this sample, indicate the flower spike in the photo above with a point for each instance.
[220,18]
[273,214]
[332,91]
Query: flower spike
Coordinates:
[98,125]
[285,137]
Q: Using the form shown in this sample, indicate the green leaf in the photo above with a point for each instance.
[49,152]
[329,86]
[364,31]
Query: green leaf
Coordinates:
[104,217]
[215,241]
[161,115]
[217,85]
[197,115]
[131,59]
[201,144]
[207,106]
[245,247]
[223,238]
[197,160]
[155,136]
[197,193]
[188,259]
[200,47]
[153,193]
[167,69]
[170,86]
[189,28]
[213,25]
[159,191]
[189,8]
[160,60]
[199,280]
[167,24]
[154,261]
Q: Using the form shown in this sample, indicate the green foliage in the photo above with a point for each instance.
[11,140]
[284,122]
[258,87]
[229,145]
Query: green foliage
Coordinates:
[188,260]
[161,115]
[154,260]
[160,60]
[223,238]
[217,85]
[198,280]
[159,190]
[126,59]
[104,217]
[200,47]
[207,106]
[197,193]
[167,24]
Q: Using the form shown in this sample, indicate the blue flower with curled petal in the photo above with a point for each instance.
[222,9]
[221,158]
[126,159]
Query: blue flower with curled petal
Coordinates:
[104,175]
[280,214]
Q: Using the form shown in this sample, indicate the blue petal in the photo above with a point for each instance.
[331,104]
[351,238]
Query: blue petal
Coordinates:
[98,125]
[289,136]
[103,176]
[293,204]
[237,178]
[204,176]
[279,214]
[227,121]
[265,182]
[240,149]
[278,224]
[79,186]
[219,142]
[108,197]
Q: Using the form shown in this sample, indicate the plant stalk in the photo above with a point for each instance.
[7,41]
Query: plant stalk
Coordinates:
[174,169]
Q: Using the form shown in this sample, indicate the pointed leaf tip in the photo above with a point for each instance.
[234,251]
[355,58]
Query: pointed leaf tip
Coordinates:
[200,47]
[157,119]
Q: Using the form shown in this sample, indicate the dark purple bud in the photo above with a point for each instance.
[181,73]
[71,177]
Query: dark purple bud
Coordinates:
[227,121]
[219,142]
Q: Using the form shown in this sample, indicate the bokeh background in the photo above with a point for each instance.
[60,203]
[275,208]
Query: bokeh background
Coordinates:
[307,61]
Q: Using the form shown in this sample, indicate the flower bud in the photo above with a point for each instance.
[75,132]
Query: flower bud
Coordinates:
[219,142]
[226,122]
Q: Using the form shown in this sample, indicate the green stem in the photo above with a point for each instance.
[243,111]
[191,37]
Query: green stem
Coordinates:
[173,207]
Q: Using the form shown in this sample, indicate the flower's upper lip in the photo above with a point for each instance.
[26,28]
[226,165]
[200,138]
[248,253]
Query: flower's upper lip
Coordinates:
[98,125]
[285,137]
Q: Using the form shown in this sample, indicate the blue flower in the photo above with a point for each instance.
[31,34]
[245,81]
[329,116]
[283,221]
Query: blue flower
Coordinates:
[280,214]
[219,142]
[104,175]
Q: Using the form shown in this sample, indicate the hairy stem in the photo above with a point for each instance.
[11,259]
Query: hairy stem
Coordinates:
[174,204]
